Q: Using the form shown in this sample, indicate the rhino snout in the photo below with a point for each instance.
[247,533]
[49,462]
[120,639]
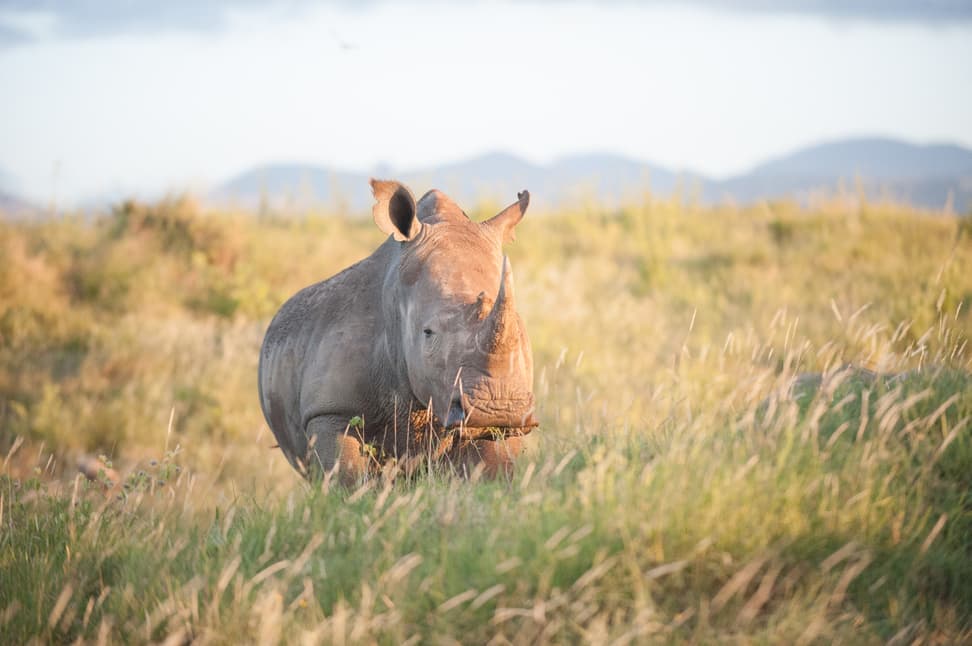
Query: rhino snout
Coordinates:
[507,412]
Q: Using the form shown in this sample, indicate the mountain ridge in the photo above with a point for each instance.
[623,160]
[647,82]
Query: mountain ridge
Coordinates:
[926,175]
[934,175]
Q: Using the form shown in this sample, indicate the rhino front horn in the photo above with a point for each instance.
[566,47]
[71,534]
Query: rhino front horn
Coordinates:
[501,329]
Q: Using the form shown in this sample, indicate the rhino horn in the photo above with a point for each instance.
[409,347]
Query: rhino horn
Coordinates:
[500,326]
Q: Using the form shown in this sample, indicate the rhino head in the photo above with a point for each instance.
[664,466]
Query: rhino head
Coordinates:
[450,314]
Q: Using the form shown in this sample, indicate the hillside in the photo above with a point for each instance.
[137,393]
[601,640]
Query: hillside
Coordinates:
[492,176]
[884,168]
[927,176]
[11,205]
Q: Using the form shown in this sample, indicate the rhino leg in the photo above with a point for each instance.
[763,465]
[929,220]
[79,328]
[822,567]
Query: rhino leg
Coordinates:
[332,445]
[497,457]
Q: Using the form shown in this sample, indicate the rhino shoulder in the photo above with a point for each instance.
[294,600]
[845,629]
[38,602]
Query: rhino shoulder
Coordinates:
[328,303]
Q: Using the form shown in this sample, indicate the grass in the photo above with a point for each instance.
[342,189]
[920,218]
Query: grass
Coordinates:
[681,488]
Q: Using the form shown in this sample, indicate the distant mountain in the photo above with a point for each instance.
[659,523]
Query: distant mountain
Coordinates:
[885,168]
[10,204]
[619,177]
[926,176]
[874,157]
[499,176]
[294,185]
[494,176]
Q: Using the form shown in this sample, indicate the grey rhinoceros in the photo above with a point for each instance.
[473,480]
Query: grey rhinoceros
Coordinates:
[415,353]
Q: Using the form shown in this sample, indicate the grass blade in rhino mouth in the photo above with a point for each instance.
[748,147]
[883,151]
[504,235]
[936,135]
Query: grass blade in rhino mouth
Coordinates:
[494,432]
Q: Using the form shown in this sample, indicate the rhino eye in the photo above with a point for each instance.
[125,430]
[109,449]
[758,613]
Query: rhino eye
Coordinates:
[428,333]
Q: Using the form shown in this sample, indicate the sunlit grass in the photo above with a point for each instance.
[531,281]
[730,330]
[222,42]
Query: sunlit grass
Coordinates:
[755,428]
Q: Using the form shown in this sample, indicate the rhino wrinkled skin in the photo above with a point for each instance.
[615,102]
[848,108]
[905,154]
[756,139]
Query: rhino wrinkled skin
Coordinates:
[420,341]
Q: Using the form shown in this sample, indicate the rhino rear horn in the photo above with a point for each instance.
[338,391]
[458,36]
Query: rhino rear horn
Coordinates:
[394,209]
[502,224]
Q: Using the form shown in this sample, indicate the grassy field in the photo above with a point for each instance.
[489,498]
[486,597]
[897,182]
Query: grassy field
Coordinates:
[680,488]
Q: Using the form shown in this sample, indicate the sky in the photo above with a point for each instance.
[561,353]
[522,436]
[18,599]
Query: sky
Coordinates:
[111,98]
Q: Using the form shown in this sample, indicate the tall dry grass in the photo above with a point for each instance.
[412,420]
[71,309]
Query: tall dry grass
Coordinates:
[708,466]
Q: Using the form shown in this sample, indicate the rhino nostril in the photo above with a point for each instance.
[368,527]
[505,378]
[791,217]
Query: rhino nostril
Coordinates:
[456,415]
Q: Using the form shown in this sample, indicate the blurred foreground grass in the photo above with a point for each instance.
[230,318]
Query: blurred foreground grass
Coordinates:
[677,490]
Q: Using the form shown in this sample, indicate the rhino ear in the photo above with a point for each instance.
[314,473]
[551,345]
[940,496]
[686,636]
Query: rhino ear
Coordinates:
[394,210]
[503,223]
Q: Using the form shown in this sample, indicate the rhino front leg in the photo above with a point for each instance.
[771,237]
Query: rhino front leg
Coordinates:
[332,445]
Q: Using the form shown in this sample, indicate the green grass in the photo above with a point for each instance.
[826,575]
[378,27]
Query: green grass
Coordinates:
[679,489]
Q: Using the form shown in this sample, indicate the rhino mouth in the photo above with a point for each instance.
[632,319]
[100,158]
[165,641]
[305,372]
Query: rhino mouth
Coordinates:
[477,418]
[493,432]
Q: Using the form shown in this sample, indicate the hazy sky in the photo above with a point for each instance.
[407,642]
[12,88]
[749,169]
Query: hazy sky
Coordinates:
[145,101]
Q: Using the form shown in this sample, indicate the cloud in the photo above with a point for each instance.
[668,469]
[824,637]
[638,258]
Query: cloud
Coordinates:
[913,11]
[10,35]
[30,20]
[82,18]
[94,18]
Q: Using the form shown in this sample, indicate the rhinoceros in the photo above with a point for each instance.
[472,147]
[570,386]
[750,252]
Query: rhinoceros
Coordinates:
[415,353]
